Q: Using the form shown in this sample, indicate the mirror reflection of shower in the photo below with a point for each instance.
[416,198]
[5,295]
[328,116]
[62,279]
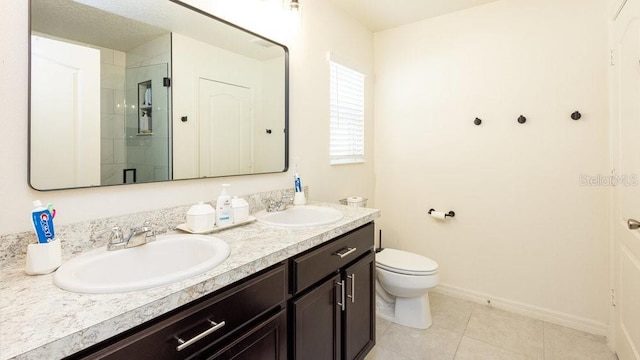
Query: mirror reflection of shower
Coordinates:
[148,130]
[139,149]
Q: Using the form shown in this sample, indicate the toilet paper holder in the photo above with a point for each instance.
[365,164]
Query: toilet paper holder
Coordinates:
[450,213]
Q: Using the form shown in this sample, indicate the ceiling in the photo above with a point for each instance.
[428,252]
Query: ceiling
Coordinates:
[378,15]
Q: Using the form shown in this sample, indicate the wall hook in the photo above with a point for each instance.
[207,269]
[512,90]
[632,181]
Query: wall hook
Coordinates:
[576,115]
[522,119]
[477,121]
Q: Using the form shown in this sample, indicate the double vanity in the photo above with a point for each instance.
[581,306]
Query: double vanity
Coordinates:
[297,292]
[262,290]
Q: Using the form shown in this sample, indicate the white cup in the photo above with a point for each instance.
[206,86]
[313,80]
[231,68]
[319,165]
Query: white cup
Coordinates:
[299,198]
[43,258]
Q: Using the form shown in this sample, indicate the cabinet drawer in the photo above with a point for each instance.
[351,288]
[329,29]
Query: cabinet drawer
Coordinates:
[234,308]
[266,341]
[330,257]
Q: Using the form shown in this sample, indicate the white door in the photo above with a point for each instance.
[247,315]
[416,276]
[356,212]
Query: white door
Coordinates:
[65,114]
[626,242]
[225,129]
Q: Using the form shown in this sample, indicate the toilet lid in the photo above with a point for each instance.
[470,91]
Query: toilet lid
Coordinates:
[405,262]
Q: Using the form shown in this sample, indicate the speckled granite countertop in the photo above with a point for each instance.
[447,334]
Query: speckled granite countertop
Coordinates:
[40,321]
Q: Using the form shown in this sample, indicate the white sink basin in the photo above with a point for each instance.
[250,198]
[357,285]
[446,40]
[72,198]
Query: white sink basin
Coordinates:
[300,216]
[170,258]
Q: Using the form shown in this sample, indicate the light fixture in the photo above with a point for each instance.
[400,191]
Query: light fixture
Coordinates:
[294,5]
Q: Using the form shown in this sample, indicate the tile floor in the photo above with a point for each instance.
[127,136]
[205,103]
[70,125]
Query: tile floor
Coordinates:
[463,330]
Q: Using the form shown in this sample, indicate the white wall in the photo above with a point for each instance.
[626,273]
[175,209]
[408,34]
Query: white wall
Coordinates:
[526,234]
[309,128]
[323,30]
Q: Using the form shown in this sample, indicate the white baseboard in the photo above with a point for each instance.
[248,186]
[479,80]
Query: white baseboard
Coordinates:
[531,311]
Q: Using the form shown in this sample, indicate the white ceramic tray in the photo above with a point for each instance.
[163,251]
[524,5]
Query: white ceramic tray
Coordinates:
[215,229]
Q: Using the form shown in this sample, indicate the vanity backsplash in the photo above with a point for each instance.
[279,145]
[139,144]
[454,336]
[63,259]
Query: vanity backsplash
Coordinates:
[83,236]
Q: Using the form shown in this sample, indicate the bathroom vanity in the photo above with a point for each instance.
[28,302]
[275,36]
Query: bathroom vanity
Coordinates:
[331,311]
[283,293]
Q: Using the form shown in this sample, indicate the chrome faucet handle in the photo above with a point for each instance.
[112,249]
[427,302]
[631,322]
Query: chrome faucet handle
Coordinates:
[150,232]
[136,237]
[144,228]
[116,238]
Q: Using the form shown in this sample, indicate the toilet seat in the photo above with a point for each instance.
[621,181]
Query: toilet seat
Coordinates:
[403,262]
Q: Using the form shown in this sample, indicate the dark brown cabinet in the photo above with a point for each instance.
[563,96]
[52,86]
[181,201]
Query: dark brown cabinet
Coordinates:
[334,318]
[317,323]
[318,305]
[359,314]
[243,321]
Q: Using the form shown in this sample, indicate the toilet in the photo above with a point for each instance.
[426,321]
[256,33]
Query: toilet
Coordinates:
[402,285]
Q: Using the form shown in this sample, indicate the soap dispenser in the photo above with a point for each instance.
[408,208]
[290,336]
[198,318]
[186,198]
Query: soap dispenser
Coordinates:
[224,216]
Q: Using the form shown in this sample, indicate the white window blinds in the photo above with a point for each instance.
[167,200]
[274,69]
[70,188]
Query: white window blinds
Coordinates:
[346,143]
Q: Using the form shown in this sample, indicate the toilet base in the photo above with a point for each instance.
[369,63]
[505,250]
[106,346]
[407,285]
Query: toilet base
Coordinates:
[411,312]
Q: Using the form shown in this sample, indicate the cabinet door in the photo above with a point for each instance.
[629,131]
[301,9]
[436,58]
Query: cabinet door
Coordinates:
[359,324]
[267,341]
[317,322]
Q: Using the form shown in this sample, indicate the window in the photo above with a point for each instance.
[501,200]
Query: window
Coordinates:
[346,141]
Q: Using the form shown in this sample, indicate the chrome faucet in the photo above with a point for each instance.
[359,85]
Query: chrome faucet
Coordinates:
[137,236]
[278,205]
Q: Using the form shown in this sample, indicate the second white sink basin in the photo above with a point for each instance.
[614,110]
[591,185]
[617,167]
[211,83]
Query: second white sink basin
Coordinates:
[300,216]
[167,259]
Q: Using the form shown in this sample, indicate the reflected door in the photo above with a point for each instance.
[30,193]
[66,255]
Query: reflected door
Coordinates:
[65,115]
[626,251]
[225,129]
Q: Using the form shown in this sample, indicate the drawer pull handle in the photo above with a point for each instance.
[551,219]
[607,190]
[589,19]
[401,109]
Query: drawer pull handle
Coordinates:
[353,288]
[184,344]
[341,303]
[345,252]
